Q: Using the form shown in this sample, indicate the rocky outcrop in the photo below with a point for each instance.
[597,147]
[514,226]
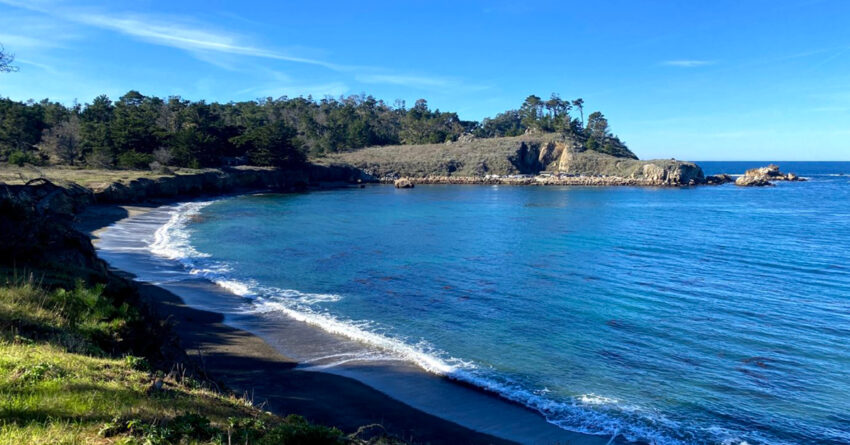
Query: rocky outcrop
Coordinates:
[35,222]
[752,181]
[403,183]
[654,172]
[763,176]
[531,155]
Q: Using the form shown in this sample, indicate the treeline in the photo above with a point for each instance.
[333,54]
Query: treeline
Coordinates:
[139,131]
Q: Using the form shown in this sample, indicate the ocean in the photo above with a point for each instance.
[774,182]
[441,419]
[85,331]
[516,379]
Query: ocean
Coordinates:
[712,314]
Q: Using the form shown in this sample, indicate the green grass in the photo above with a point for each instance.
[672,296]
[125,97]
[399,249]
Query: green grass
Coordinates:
[58,384]
[48,395]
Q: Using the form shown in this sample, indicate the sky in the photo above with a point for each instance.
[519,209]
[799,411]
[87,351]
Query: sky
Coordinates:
[719,80]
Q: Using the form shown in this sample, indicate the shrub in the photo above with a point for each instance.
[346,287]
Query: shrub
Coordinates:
[137,363]
[134,160]
[19,158]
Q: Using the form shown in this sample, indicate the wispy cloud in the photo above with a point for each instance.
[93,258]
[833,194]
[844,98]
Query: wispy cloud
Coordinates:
[223,48]
[42,66]
[333,89]
[408,81]
[173,32]
[688,63]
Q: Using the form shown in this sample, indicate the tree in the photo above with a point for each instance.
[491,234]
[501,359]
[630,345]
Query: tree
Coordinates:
[63,143]
[274,144]
[579,103]
[531,111]
[141,131]
[6,61]
[21,127]
[597,126]
[95,130]
[134,126]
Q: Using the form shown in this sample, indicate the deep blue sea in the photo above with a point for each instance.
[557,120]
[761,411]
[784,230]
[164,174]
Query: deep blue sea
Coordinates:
[693,315]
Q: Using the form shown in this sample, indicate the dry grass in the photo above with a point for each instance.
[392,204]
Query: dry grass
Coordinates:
[12,174]
[478,157]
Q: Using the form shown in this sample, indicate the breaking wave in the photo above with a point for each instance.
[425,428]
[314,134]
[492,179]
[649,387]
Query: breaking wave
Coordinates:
[587,413]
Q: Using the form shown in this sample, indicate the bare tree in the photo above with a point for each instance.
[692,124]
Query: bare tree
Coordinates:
[161,159]
[6,60]
[62,142]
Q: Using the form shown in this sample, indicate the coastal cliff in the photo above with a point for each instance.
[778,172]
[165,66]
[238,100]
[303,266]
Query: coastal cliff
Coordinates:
[530,159]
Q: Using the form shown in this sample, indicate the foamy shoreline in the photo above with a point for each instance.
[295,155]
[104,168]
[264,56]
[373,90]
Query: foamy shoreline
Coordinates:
[516,423]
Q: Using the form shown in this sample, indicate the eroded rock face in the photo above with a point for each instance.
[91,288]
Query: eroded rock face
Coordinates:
[658,172]
[403,183]
[35,222]
[763,175]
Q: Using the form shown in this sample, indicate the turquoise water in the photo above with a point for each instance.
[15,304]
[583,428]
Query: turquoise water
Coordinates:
[695,315]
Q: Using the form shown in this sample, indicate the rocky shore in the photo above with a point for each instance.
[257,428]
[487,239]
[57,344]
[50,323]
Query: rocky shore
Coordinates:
[553,180]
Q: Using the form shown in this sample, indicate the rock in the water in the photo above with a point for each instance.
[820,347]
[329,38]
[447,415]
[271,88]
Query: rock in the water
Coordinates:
[752,181]
[722,178]
[403,183]
[769,173]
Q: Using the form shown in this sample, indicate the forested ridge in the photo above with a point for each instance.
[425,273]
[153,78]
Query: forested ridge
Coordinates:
[138,131]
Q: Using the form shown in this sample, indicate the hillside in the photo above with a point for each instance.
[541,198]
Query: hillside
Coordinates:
[533,154]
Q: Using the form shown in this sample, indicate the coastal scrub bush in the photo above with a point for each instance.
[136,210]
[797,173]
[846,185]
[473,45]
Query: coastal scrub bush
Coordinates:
[137,363]
[20,158]
[134,160]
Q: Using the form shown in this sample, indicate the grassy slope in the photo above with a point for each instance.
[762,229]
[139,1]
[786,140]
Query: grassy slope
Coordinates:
[475,158]
[59,385]
[12,174]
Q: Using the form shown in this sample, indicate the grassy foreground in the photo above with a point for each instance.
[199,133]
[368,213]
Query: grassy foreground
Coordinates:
[60,385]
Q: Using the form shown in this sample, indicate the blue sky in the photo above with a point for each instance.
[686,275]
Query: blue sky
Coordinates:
[719,80]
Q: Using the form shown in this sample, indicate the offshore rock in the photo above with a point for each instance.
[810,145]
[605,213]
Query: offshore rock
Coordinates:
[718,179]
[752,181]
[763,175]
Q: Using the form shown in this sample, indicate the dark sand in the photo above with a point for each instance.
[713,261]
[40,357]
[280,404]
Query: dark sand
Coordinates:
[248,365]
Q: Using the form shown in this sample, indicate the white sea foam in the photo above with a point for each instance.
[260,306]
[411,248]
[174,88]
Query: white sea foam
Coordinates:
[171,240]
[588,413]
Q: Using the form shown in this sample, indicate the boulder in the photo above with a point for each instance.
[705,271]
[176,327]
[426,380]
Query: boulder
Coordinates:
[403,183]
[752,181]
